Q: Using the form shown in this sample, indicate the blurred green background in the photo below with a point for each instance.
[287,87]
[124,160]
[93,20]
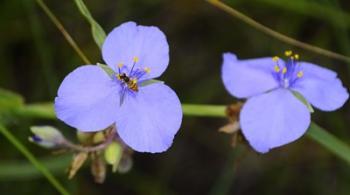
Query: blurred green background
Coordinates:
[34,58]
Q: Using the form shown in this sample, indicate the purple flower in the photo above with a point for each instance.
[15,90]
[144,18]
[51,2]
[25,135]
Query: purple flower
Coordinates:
[147,117]
[273,115]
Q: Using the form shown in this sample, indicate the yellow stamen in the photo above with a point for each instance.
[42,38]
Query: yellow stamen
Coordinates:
[275,58]
[277,68]
[118,77]
[147,70]
[288,53]
[284,70]
[296,56]
[136,59]
[300,74]
[120,65]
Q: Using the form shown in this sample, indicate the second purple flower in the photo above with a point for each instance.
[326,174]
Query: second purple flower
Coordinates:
[273,115]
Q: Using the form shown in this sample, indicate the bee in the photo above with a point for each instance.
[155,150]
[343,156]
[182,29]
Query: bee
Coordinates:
[131,83]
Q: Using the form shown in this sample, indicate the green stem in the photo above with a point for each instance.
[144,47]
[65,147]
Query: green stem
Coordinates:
[315,132]
[204,110]
[33,160]
[279,36]
[61,28]
[46,110]
[42,110]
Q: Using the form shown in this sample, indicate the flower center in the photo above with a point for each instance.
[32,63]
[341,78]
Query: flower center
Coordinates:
[286,74]
[129,78]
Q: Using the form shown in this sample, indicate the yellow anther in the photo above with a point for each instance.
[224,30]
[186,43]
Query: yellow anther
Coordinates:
[135,59]
[147,70]
[296,56]
[277,68]
[300,74]
[275,58]
[288,53]
[118,77]
[284,70]
[120,65]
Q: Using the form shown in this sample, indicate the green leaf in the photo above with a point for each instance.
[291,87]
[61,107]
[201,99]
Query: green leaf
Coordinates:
[9,103]
[107,69]
[16,170]
[98,33]
[303,100]
[9,100]
[150,82]
[329,141]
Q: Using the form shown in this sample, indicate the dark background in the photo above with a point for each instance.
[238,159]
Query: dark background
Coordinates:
[34,58]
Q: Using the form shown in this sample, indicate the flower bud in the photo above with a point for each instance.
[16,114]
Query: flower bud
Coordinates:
[113,154]
[46,136]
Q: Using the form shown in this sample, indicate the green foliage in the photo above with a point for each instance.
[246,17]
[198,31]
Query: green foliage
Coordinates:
[312,8]
[23,170]
[97,32]
[9,101]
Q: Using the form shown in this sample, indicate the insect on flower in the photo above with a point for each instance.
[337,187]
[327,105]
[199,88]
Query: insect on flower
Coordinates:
[273,114]
[147,117]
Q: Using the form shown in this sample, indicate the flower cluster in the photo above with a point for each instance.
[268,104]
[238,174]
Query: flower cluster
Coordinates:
[146,116]
[274,113]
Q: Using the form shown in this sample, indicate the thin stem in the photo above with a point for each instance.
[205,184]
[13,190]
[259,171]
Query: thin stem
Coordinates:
[79,148]
[279,36]
[39,110]
[204,110]
[61,28]
[33,160]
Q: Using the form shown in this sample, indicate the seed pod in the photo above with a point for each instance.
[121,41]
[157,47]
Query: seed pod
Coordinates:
[98,168]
